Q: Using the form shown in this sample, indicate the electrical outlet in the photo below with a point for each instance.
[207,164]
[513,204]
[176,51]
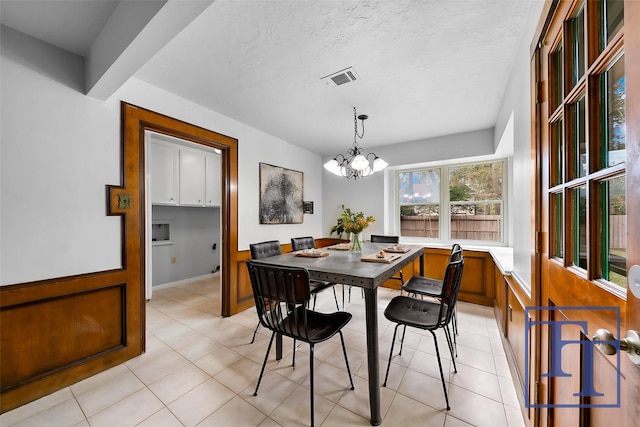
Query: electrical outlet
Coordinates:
[173,260]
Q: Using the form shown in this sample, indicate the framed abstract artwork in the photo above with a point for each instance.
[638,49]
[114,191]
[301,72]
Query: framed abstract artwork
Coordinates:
[281,192]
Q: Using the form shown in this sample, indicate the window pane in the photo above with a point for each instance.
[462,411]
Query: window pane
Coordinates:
[577,52]
[578,140]
[420,221]
[556,75]
[557,154]
[476,182]
[614,115]
[557,230]
[611,20]
[478,221]
[419,198]
[613,231]
[580,227]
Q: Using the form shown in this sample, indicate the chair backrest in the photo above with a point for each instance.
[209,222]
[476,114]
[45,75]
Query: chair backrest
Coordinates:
[300,243]
[450,289]
[280,294]
[265,249]
[456,252]
[376,238]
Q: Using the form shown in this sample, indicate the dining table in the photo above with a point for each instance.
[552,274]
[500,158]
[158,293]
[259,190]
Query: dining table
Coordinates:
[337,264]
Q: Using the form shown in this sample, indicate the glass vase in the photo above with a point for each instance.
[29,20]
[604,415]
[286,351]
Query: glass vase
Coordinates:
[356,242]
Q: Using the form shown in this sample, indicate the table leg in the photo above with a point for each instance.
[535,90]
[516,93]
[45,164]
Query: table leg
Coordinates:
[373,357]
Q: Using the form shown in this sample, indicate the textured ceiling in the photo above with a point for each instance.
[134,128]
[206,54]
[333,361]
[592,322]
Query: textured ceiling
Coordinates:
[425,68]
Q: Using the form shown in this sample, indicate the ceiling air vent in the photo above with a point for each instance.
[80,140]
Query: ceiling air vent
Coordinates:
[347,75]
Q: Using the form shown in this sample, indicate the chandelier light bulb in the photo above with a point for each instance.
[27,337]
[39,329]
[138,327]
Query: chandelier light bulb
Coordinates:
[359,162]
[379,164]
[332,166]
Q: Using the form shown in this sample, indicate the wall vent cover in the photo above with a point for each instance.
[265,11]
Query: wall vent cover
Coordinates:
[341,77]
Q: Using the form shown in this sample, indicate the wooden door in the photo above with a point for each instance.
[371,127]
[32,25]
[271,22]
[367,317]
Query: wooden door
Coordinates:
[588,105]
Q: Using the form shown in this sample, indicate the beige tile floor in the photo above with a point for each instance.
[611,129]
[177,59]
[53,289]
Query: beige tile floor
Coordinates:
[200,370]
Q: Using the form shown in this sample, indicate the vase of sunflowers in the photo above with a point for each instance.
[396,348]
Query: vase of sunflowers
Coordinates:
[353,223]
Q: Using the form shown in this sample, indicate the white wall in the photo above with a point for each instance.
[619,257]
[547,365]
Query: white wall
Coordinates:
[194,230]
[517,102]
[61,148]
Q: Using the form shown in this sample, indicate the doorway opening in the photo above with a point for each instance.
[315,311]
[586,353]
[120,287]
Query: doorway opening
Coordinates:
[183,188]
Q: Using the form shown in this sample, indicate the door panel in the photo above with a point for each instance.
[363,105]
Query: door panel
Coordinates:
[589,94]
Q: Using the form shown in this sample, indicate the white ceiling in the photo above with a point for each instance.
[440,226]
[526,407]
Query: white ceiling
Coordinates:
[425,68]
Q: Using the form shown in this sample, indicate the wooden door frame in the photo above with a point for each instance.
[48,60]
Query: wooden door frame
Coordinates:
[137,120]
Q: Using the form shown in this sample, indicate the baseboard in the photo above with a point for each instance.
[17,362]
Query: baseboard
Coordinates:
[183,281]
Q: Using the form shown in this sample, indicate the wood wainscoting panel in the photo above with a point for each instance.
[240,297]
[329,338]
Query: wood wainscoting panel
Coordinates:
[244,292]
[58,332]
[519,338]
[477,279]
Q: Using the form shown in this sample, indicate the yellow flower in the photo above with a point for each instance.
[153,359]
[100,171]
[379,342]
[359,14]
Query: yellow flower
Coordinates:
[353,222]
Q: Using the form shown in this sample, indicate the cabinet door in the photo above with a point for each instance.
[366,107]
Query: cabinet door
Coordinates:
[212,186]
[191,178]
[164,174]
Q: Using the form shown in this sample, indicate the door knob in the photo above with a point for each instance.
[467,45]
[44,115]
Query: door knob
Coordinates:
[630,344]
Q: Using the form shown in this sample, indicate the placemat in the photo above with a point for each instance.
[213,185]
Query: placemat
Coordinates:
[397,249]
[313,254]
[340,247]
[388,258]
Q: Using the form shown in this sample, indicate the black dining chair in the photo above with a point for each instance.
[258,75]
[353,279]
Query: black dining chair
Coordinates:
[302,243]
[394,240]
[430,287]
[429,315]
[264,250]
[281,296]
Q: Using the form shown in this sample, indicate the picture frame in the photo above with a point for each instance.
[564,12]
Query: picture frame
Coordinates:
[281,192]
[307,207]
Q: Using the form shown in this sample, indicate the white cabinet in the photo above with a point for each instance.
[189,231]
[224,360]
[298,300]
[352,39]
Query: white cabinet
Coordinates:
[164,174]
[191,178]
[184,176]
[212,176]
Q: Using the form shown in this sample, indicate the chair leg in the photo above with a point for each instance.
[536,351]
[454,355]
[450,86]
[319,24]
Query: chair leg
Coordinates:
[335,297]
[404,331]
[343,296]
[266,356]
[293,363]
[311,379]
[314,301]
[447,334]
[393,341]
[444,388]
[344,350]
[254,333]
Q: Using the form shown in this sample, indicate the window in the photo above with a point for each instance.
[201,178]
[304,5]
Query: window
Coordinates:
[586,139]
[453,203]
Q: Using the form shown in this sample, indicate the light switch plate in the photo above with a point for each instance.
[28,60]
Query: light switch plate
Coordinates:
[634,280]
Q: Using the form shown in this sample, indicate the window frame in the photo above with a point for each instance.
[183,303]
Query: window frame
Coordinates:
[444,226]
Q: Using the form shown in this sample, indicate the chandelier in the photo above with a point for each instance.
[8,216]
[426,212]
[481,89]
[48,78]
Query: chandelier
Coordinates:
[356,165]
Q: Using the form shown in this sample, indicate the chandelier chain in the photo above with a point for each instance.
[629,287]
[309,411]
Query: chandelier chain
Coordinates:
[355,127]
